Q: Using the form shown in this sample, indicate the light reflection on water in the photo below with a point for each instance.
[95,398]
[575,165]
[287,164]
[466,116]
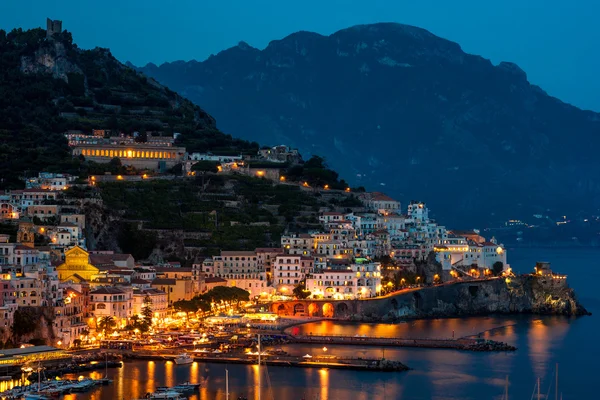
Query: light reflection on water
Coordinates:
[437,374]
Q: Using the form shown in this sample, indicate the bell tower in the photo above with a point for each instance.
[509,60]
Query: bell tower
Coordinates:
[26,233]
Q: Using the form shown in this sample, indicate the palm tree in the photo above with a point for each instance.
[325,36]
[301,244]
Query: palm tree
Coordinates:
[107,323]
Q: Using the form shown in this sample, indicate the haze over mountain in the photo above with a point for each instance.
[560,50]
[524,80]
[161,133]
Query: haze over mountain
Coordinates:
[396,108]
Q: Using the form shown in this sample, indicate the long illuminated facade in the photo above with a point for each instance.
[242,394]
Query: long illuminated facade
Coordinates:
[139,156]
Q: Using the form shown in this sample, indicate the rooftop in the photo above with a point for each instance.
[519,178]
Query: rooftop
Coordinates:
[107,290]
[214,280]
[164,281]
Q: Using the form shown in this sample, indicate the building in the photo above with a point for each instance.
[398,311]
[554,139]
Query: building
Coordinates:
[213,157]
[142,156]
[280,154]
[109,259]
[76,219]
[43,212]
[176,289]
[235,262]
[266,258]
[213,282]
[51,181]
[112,301]
[345,280]
[70,322]
[77,266]
[289,270]
[300,244]
[380,202]
[457,252]
[158,302]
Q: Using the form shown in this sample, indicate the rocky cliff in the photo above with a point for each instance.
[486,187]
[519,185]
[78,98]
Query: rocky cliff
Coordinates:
[399,109]
[523,294]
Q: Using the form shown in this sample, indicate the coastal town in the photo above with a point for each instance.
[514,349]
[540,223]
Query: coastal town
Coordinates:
[142,246]
[49,266]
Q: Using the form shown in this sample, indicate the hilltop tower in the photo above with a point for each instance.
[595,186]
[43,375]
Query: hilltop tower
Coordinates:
[52,27]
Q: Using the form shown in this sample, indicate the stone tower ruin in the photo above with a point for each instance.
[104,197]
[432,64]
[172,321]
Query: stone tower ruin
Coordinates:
[52,27]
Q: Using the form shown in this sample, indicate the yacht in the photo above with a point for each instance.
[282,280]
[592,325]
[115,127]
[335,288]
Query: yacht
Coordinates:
[183,359]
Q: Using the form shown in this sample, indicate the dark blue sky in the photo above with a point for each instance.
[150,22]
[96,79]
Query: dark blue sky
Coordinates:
[554,41]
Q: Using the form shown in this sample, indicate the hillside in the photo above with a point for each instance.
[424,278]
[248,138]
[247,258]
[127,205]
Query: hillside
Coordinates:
[397,108]
[49,86]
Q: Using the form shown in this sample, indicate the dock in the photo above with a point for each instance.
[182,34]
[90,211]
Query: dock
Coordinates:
[356,364]
[468,344]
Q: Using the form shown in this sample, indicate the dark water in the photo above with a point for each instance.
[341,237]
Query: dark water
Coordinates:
[437,374]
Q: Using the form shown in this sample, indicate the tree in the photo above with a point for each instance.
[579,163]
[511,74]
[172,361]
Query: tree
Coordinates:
[300,291]
[498,267]
[206,166]
[147,312]
[107,323]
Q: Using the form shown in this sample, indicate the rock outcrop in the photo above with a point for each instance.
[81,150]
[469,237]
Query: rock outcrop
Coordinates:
[523,294]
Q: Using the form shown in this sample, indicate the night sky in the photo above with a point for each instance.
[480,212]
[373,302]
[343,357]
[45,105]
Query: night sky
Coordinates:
[554,41]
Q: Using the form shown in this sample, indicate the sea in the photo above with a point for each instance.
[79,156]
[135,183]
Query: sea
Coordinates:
[545,345]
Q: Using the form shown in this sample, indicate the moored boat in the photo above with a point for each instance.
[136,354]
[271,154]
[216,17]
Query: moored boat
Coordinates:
[183,359]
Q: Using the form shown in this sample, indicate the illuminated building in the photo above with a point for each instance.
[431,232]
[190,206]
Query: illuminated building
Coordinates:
[76,266]
[343,279]
[142,156]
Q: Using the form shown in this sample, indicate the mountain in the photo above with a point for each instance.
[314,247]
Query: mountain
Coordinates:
[401,110]
[49,86]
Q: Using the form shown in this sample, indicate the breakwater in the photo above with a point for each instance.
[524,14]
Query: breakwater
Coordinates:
[356,364]
[457,344]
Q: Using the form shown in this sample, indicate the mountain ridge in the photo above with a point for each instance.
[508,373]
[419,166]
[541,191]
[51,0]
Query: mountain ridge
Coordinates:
[447,118]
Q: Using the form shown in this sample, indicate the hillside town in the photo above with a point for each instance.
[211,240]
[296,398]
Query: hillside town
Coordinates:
[49,266]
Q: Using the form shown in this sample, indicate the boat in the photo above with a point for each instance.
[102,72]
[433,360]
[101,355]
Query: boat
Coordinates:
[105,381]
[185,387]
[33,396]
[183,359]
[170,395]
[83,385]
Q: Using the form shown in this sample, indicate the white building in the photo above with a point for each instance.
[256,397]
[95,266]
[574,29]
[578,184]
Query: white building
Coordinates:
[289,270]
[212,157]
[361,279]
[418,211]
[457,252]
[112,301]
[241,269]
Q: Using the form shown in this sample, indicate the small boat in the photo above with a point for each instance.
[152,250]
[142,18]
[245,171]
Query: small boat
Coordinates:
[185,387]
[170,395]
[183,359]
[33,396]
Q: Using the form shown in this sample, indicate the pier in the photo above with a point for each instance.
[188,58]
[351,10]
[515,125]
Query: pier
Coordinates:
[333,362]
[457,344]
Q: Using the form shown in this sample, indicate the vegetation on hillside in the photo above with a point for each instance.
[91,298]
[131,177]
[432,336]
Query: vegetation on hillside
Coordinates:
[315,172]
[234,212]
